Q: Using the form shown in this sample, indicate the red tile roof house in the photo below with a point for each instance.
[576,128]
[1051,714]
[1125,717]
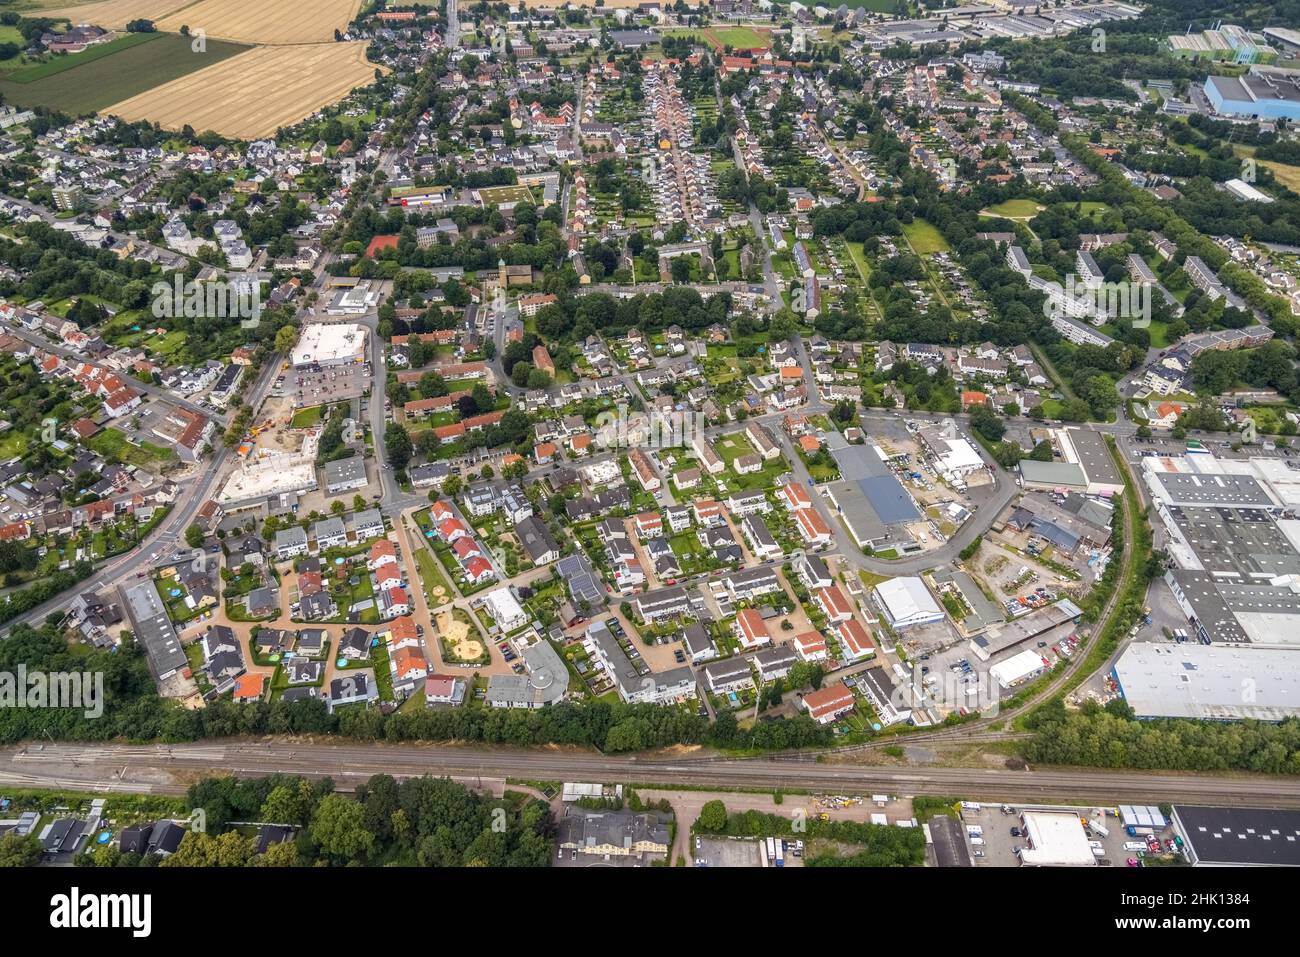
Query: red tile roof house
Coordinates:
[382,552]
[833,604]
[478,569]
[812,527]
[855,640]
[751,630]
[829,703]
[811,646]
[465,548]
[542,359]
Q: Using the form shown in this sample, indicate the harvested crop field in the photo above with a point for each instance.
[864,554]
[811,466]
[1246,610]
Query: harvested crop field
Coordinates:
[245,21]
[268,22]
[252,95]
[115,13]
[86,86]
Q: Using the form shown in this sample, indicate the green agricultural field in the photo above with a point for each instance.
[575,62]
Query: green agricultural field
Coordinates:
[1014,209]
[925,238]
[88,82]
[11,35]
[61,63]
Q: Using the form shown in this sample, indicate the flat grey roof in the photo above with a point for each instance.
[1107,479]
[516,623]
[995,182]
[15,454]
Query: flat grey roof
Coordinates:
[1201,592]
[345,470]
[1064,474]
[1214,682]
[889,499]
[1094,455]
[153,628]
[1243,543]
[858,462]
[1192,488]
[855,508]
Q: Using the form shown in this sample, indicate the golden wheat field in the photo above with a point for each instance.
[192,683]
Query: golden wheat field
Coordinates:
[251,95]
[114,13]
[246,21]
[269,21]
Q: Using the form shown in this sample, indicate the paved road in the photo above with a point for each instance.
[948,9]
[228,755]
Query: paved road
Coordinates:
[41,342]
[160,769]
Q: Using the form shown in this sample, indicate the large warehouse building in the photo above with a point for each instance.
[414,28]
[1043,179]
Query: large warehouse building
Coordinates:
[1215,682]
[1239,836]
[330,344]
[907,602]
[1262,93]
[1055,839]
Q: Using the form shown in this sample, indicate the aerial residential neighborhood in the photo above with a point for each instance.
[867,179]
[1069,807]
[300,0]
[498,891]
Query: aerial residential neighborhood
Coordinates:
[734,433]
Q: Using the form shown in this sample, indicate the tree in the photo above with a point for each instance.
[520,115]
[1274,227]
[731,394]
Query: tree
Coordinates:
[338,828]
[18,851]
[986,422]
[283,805]
[397,443]
[713,817]
[194,536]
[285,338]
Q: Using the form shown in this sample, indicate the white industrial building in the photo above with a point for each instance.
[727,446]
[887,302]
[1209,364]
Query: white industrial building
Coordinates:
[1055,839]
[907,602]
[330,344]
[1017,668]
[1213,682]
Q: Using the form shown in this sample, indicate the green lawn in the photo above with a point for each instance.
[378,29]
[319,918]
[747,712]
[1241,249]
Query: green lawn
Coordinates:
[112,443]
[13,445]
[88,82]
[1014,209]
[306,418]
[925,238]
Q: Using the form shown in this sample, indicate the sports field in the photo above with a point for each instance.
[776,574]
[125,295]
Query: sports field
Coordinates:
[252,95]
[738,38]
[83,83]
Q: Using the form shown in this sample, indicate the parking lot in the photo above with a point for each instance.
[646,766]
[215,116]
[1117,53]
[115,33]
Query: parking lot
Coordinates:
[998,844]
[312,385]
[727,852]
